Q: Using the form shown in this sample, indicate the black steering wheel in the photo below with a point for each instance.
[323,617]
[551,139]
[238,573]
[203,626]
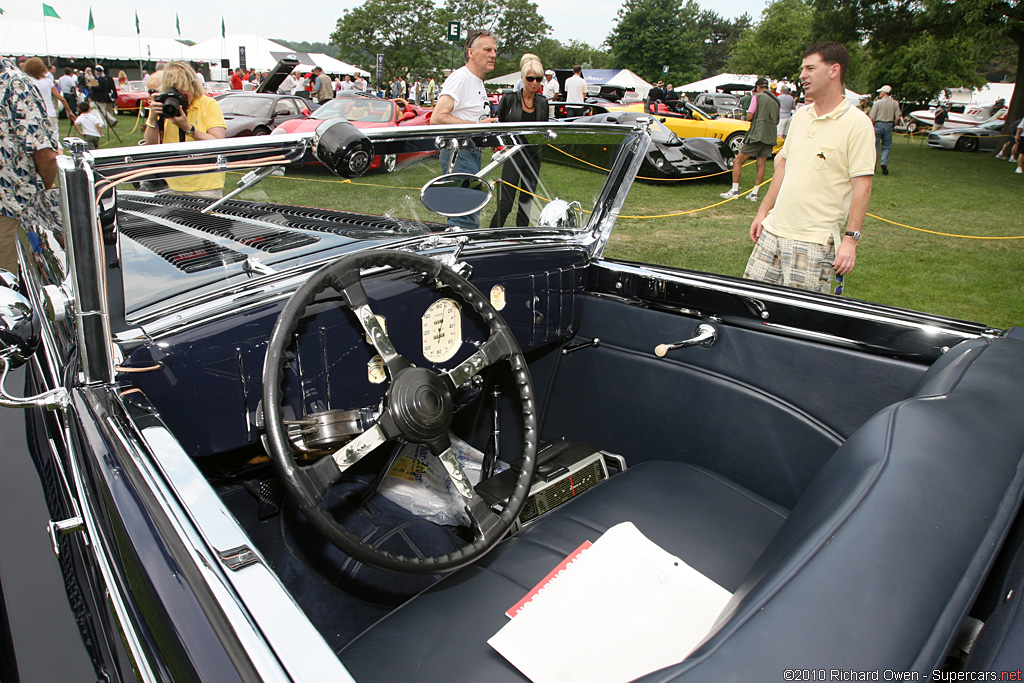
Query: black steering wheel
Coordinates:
[417,408]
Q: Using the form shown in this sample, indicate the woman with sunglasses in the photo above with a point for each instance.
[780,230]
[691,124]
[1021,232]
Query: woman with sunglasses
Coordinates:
[519,173]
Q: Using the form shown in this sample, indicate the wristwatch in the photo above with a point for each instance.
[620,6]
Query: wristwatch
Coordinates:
[192,132]
[855,234]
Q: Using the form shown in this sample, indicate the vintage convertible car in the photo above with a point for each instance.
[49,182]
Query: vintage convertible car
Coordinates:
[688,121]
[288,443]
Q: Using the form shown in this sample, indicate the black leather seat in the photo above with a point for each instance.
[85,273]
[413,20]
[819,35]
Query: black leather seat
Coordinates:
[875,567]
[717,527]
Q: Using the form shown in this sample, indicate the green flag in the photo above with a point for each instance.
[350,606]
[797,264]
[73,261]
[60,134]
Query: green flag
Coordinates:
[137,30]
[92,24]
[223,33]
[50,12]
[2,11]
[177,24]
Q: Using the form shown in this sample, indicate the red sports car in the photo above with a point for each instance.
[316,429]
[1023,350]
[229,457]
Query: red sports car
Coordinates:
[367,112]
[132,96]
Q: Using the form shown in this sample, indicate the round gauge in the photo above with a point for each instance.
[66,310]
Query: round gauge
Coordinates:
[498,297]
[442,330]
[375,371]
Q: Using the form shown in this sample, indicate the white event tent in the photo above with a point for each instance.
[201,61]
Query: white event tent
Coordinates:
[57,38]
[593,77]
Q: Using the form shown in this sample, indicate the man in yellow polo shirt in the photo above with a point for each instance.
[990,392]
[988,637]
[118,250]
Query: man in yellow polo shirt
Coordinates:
[200,119]
[809,224]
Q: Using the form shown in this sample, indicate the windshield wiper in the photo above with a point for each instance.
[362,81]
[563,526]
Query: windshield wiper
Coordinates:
[250,179]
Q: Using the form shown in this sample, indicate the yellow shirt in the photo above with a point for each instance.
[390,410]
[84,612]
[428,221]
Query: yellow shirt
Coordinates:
[822,154]
[204,113]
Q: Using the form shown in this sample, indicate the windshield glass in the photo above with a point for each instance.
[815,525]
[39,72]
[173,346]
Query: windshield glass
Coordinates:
[243,105]
[135,86]
[174,247]
[363,109]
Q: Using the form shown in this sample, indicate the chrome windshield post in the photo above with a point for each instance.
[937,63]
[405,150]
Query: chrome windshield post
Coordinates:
[85,250]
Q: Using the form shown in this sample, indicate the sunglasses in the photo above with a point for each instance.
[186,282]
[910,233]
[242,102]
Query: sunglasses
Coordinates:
[839,284]
[532,79]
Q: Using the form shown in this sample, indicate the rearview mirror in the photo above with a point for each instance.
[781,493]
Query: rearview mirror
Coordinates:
[456,194]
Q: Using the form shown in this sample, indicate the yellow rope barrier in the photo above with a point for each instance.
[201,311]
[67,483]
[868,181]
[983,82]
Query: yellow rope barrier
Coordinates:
[945,234]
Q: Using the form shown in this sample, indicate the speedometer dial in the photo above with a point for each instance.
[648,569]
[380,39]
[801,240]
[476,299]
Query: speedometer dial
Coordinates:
[442,330]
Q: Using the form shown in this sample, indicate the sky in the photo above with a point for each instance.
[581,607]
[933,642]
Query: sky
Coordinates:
[311,20]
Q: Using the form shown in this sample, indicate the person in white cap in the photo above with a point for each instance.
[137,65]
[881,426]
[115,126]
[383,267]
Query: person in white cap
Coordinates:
[885,112]
[551,88]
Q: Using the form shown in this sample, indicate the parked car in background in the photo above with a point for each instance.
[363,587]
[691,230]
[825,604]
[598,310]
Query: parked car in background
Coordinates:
[667,158]
[688,121]
[250,113]
[333,431]
[132,96]
[988,137]
[367,112]
[216,87]
[720,104]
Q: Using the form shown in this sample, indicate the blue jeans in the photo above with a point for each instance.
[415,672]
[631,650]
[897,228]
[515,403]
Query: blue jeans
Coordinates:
[467,161]
[883,140]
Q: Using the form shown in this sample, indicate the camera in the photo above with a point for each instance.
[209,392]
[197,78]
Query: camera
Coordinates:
[173,101]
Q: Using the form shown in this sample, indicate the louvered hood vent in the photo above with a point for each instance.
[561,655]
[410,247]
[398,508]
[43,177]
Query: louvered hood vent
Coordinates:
[262,237]
[183,250]
[344,223]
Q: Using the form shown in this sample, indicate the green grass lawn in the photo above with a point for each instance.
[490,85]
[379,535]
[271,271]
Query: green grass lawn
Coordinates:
[949,192]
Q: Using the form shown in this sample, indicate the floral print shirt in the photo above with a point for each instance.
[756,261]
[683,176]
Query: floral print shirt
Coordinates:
[24,129]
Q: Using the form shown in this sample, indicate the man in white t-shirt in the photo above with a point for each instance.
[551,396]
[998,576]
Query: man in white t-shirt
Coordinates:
[550,86]
[576,86]
[464,100]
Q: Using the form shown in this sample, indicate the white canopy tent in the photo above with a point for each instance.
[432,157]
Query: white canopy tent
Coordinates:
[334,66]
[58,38]
[257,51]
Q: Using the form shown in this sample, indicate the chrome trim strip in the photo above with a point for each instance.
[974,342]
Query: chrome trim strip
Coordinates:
[838,306]
[140,661]
[260,605]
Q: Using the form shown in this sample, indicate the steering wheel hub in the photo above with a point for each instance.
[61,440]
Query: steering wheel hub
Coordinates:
[421,405]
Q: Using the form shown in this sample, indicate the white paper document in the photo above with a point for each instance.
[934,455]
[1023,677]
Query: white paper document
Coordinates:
[624,608]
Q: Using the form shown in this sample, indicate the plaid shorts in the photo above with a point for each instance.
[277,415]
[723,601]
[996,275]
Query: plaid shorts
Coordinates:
[785,261]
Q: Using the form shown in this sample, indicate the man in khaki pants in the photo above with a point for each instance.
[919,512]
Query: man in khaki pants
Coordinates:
[28,145]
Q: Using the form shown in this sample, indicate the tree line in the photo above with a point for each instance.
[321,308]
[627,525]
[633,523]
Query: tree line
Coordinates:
[917,46]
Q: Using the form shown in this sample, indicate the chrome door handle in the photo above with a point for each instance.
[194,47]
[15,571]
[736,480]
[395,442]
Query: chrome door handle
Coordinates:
[706,336]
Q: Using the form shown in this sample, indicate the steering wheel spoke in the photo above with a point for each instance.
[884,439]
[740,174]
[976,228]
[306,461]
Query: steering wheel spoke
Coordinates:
[378,336]
[499,346]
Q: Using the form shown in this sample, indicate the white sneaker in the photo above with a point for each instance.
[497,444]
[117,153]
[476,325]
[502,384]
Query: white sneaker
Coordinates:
[1018,170]
[752,197]
[1013,160]
[731,194]
[1000,156]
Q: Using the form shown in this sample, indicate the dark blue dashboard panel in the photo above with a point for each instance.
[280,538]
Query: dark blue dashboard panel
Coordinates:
[209,384]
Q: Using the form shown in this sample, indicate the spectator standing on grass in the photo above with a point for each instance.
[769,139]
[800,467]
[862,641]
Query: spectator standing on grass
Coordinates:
[885,112]
[551,88]
[1012,146]
[104,94]
[36,70]
[68,86]
[763,114]
[464,100]
[819,194]
[200,118]
[521,172]
[236,79]
[786,105]
[88,124]
[28,146]
[576,86]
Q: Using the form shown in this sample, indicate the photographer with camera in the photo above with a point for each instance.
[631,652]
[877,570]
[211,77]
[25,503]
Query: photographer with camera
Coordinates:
[182,112]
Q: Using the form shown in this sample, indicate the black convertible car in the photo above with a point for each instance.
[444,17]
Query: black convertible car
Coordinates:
[287,443]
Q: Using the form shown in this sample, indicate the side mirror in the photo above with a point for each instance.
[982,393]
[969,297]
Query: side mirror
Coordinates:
[339,146]
[456,194]
[305,112]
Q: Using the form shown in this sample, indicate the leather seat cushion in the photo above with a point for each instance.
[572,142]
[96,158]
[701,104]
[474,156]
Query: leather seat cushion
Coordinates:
[714,525]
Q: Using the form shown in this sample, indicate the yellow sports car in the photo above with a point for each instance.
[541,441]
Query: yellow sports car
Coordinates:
[687,121]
